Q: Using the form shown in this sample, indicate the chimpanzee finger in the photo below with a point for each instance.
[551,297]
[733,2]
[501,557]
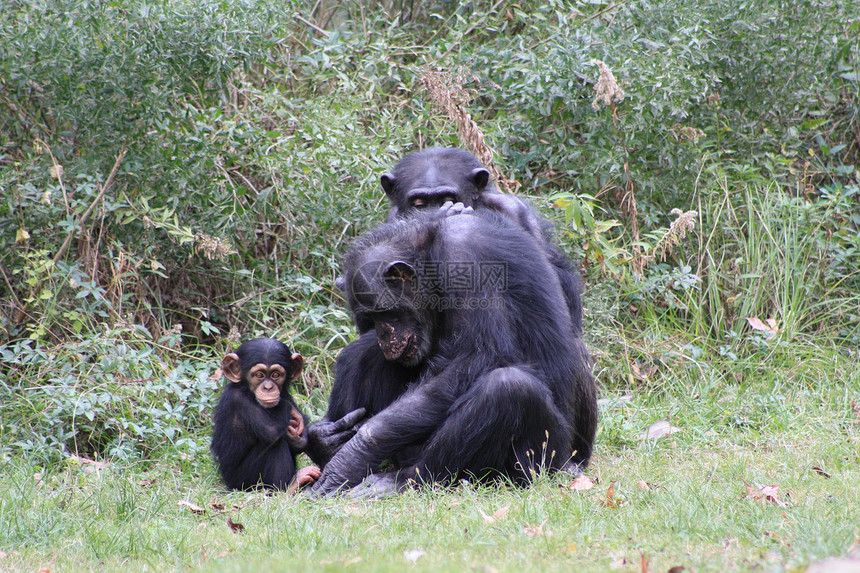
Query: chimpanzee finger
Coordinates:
[336,440]
[349,420]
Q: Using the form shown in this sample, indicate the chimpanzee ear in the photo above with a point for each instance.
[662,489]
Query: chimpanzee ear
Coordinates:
[387,180]
[479,178]
[230,368]
[298,361]
[399,273]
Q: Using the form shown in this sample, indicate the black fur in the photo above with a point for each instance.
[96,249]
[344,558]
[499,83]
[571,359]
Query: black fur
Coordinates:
[250,442]
[501,389]
[439,174]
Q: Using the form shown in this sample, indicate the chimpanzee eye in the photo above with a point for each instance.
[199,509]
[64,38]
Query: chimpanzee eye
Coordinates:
[259,374]
[419,203]
[450,198]
[276,375]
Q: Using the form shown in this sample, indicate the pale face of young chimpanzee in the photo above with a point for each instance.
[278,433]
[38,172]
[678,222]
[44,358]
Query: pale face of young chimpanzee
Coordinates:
[265,380]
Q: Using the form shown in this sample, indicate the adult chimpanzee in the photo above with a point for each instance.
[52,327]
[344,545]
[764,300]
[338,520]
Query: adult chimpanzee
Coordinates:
[258,428]
[424,180]
[468,365]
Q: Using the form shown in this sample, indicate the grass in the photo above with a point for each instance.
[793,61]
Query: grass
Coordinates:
[682,499]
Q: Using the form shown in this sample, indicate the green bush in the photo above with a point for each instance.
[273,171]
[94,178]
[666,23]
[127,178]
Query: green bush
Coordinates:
[253,144]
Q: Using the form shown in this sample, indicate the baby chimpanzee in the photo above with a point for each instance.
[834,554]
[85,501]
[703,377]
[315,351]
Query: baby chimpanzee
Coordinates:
[258,429]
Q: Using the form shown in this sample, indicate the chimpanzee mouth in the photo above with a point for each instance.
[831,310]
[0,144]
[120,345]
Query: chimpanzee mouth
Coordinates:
[269,402]
[394,353]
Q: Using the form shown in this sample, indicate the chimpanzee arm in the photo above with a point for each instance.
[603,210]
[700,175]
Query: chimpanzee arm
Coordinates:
[516,210]
[254,421]
[410,419]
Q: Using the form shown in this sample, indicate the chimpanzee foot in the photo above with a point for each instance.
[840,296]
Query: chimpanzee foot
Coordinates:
[378,486]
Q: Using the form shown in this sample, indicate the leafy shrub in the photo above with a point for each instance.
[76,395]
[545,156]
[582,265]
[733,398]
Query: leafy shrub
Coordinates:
[253,143]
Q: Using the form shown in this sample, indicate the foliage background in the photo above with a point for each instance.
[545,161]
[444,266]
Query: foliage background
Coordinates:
[251,137]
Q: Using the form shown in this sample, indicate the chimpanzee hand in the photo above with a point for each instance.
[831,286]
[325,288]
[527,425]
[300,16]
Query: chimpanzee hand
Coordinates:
[345,469]
[297,433]
[305,476]
[450,208]
[326,438]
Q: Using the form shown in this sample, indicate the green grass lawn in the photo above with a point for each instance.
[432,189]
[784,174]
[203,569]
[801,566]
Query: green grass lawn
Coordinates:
[680,500]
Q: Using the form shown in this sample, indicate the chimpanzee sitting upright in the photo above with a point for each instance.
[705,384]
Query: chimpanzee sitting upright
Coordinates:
[468,364]
[258,429]
[424,180]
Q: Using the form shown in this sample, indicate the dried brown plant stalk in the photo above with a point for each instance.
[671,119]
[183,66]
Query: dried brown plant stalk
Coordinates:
[608,91]
[609,94]
[212,247]
[685,222]
[448,92]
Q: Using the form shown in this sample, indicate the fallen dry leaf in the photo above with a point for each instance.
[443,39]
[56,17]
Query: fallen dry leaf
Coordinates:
[195,509]
[677,569]
[532,530]
[146,482]
[821,472]
[487,518]
[580,483]
[500,513]
[764,493]
[235,527]
[658,430]
[611,500]
[855,407]
[643,372]
[770,327]
[643,563]
[88,462]
[89,466]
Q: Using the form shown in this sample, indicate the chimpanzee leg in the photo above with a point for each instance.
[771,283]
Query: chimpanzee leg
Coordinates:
[280,466]
[506,424]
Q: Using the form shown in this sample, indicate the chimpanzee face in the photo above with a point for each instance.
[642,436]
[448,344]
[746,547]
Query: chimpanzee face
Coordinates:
[426,180]
[266,382]
[401,337]
[386,295]
[264,366]
[424,199]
